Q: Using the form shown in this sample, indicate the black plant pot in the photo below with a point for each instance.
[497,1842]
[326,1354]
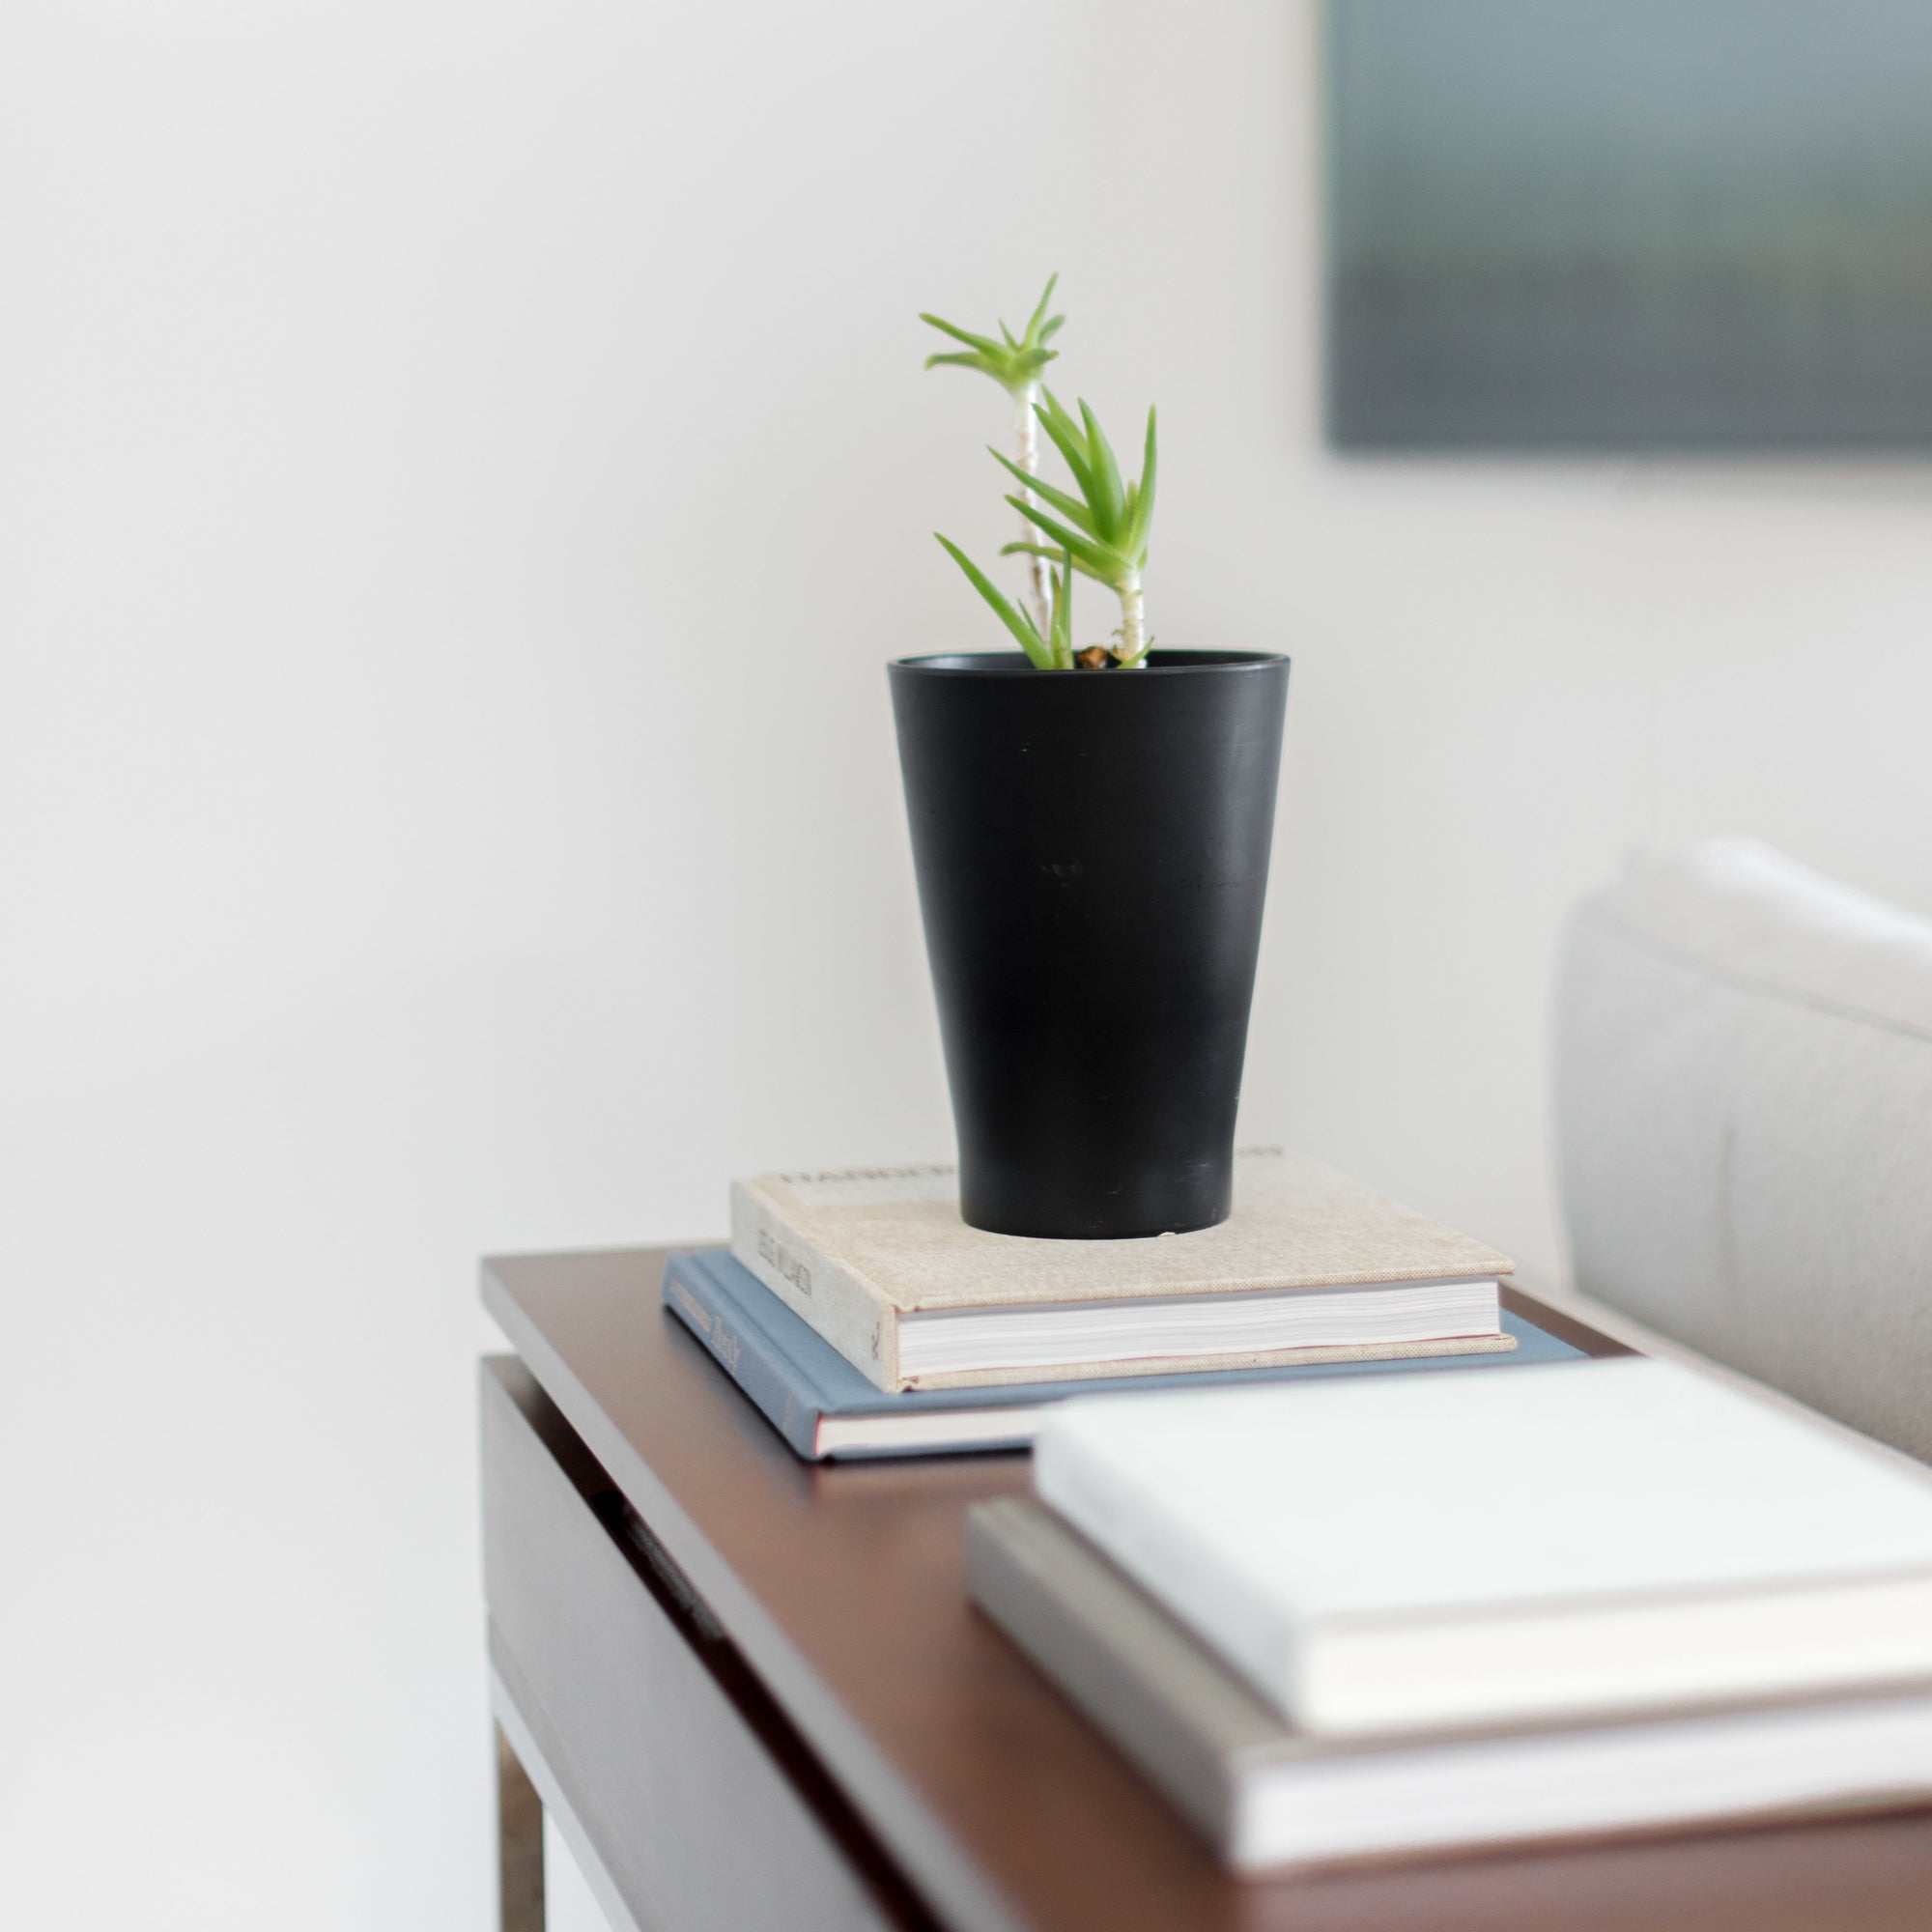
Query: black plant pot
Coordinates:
[1093,852]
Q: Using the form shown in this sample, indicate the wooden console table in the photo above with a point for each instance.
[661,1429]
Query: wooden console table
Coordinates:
[753,1694]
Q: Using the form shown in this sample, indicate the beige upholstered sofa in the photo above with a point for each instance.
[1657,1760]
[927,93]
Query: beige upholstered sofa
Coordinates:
[1743,1092]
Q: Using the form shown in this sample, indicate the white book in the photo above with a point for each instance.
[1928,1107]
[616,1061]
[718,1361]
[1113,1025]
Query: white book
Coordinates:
[1585,1539]
[1266,1796]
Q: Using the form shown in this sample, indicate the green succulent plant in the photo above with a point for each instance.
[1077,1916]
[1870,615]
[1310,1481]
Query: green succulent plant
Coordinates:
[1016,362]
[1102,531]
[1049,650]
[1099,528]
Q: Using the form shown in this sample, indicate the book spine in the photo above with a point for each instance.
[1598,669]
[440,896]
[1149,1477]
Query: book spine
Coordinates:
[830,1300]
[744,1355]
[1118,1691]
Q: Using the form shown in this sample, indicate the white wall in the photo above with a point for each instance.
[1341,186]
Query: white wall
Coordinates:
[463,468]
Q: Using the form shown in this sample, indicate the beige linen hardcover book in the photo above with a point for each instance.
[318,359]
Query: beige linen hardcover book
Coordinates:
[1310,1267]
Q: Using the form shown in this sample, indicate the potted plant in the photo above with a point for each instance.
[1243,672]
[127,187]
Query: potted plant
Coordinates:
[1090,830]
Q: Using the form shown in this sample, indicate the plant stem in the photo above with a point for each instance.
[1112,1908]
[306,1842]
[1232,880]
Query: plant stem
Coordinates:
[1040,575]
[1132,653]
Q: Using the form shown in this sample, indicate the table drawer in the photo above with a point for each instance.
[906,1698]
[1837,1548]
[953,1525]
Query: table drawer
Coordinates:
[704,1807]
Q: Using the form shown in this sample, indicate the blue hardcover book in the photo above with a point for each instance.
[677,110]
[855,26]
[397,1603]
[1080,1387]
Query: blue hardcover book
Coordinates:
[823,1406]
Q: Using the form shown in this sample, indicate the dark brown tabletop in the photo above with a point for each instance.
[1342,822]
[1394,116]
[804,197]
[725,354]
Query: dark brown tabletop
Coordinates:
[842,1587]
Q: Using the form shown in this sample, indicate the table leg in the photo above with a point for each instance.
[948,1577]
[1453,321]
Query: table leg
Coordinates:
[520,1843]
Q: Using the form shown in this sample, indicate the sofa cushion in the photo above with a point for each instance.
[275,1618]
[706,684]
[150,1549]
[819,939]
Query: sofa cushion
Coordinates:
[1743,1092]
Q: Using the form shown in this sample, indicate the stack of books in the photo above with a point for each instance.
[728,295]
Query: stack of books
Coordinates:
[1362,1620]
[865,1318]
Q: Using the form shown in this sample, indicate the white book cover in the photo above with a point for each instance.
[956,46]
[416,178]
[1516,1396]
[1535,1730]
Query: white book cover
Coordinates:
[1268,1796]
[1586,1537]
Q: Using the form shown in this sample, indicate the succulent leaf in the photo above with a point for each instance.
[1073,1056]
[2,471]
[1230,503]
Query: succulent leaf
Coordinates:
[1108,495]
[1039,325]
[1060,639]
[1013,362]
[1094,559]
[1016,620]
[1069,507]
[1065,437]
[1143,505]
[984,344]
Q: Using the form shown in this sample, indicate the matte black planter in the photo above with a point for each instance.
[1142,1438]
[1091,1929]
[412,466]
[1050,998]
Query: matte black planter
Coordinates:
[1093,851]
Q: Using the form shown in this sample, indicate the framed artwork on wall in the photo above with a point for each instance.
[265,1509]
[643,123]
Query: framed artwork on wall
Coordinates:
[1629,224]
